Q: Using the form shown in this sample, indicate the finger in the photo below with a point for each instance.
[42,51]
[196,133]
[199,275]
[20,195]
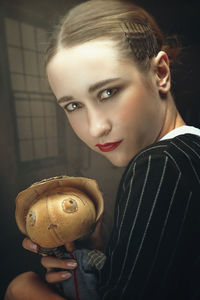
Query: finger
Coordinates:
[53,262]
[48,269]
[70,247]
[52,277]
[29,245]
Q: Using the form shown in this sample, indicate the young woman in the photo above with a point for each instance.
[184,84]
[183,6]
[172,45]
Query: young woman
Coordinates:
[109,69]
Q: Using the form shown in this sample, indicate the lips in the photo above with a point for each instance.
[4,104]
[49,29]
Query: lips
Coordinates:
[108,146]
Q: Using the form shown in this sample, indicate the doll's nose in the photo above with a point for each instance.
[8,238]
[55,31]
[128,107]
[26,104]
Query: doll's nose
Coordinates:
[69,205]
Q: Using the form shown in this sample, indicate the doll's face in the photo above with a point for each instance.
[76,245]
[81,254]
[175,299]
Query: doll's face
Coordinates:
[59,216]
[111,106]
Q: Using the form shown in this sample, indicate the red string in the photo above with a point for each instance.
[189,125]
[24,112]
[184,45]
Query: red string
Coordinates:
[75,280]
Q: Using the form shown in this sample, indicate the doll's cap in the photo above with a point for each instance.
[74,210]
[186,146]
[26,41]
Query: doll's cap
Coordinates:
[29,196]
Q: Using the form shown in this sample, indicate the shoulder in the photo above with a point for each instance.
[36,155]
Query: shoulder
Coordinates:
[177,155]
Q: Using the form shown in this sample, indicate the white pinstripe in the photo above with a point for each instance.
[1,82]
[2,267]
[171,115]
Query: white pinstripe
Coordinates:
[142,152]
[136,216]
[172,158]
[133,176]
[162,233]
[111,255]
[148,222]
[150,216]
[179,235]
[189,161]
[196,143]
[138,208]
[189,147]
[118,210]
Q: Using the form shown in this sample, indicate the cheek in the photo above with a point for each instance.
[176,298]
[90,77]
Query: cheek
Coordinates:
[79,127]
[131,107]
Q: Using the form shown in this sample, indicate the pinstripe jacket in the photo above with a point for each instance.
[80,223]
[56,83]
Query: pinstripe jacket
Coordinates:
[154,249]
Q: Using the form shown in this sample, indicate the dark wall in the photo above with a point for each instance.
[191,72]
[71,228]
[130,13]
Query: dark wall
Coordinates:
[181,19]
[13,175]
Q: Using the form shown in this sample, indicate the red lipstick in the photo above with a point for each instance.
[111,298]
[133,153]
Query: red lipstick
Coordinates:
[108,146]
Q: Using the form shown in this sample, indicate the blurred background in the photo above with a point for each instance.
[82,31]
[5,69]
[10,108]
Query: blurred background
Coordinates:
[36,141]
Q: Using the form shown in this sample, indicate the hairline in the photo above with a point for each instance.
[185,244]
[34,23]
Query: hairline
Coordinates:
[107,39]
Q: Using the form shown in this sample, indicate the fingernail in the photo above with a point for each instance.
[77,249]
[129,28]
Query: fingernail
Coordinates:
[66,275]
[34,246]
[71,264]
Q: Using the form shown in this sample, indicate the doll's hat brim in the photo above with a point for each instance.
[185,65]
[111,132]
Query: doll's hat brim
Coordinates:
[29,196]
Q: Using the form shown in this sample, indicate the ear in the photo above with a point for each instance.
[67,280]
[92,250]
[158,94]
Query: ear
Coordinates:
[163,77]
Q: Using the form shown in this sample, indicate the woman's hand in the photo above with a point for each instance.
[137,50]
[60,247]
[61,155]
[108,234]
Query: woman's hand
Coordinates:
[50,263]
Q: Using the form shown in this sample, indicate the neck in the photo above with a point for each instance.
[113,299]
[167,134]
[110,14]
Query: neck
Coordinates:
[172,118]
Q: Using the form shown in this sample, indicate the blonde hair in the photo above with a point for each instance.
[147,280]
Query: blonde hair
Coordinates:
[97,19]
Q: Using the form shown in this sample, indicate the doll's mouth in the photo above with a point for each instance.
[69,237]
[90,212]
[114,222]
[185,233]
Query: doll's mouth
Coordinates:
[52,226]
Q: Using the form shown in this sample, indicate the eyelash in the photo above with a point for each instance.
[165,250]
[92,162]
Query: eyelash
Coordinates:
[78,105]
[110,89]
[66,107]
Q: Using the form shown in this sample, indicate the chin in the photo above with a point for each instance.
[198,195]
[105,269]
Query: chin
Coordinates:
[119,162]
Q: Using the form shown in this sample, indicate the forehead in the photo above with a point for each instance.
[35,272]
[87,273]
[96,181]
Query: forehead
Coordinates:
[84,64]
[90,53]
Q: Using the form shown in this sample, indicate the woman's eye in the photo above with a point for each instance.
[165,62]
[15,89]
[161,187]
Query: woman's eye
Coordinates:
[108,93]
[72,106]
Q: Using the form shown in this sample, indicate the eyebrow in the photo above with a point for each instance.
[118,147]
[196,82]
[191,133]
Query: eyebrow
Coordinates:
[91,89]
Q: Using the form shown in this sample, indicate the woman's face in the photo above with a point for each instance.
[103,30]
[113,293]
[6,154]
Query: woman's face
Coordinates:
[111,106]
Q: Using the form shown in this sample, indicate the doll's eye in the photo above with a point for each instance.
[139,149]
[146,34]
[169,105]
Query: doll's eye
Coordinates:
[32,218]
[108,93]
[69,205]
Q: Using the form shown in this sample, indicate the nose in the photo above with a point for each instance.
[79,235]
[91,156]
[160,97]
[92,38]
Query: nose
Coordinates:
[99,123]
